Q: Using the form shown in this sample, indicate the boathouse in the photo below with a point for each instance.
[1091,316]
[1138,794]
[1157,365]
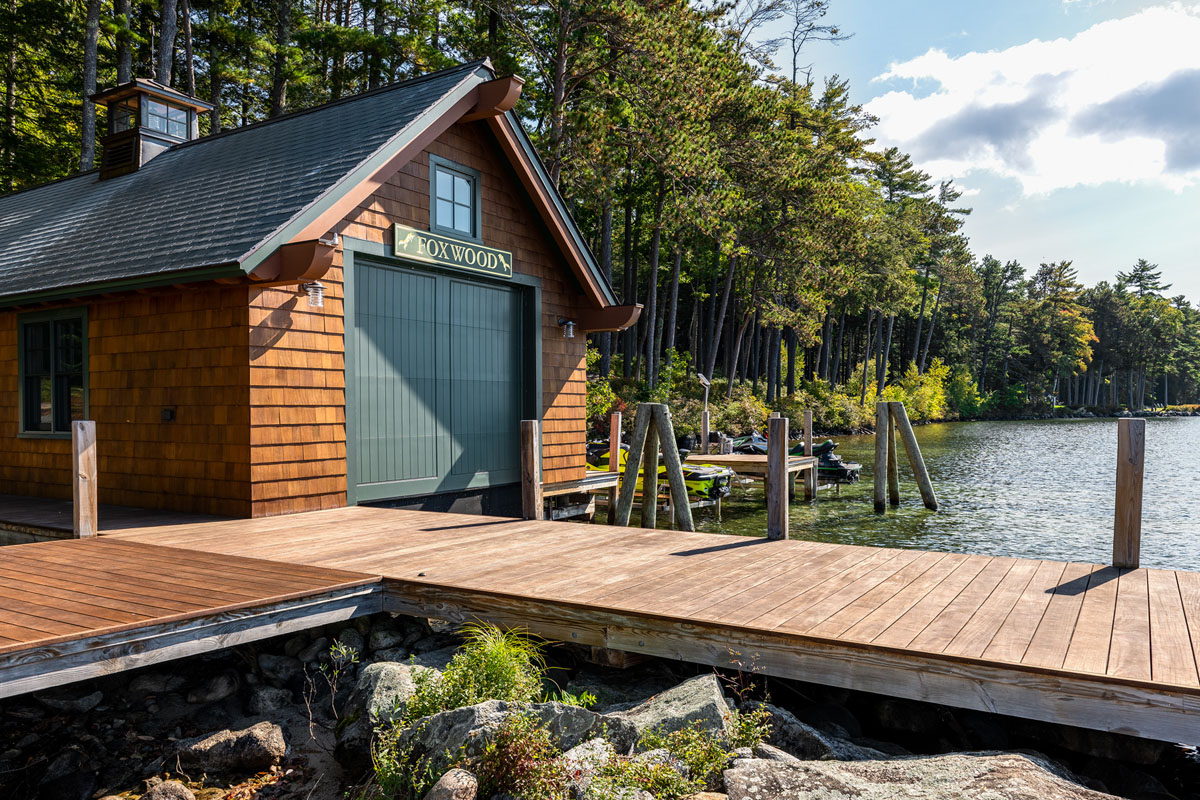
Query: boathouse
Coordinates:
[353,303]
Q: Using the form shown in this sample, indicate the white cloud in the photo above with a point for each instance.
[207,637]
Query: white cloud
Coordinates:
[1119,101]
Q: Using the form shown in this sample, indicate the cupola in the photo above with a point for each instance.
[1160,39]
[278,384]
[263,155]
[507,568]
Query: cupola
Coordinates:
[144,119]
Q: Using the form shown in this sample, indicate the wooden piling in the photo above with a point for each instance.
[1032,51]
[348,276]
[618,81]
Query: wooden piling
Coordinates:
[777,478]
[1127,527]
[531,470]
[84,479]
[614,462]
[650,473]
[893,468]
[810,477]
[914,455]
[881,426]
[633,464]
[704,434]
[681,506]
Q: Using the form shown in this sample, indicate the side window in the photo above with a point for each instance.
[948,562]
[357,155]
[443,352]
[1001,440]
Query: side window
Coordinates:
[53,371]
[454,199]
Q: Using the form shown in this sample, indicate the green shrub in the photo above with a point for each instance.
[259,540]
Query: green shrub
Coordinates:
[962,394]
[750,728]
[398,773]
[521,761]
[600,395]
[620,774]
[491,665]
[705,753]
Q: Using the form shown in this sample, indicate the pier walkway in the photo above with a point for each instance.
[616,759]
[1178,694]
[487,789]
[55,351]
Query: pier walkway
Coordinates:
[1072,643]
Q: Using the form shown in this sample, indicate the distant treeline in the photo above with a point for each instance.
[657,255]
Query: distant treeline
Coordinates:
[743,205]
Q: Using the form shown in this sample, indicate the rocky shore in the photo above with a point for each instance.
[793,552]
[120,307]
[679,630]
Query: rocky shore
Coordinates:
[293,717]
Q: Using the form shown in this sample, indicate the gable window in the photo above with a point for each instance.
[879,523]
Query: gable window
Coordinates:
[454,199]
[52,351]
[166,118]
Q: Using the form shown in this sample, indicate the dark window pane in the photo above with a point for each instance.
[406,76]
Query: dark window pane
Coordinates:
[37,403]
[68,344]
[75,389]
[37,348]
[68,401]
[445,185]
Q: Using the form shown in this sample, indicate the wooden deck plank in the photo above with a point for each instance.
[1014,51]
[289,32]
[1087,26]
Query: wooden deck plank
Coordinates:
[949,622]
[877,620]
[1048,647]
[1012,639]
[1189,593]
[980,629]
[814,614]
[1088,650]
[1129,653]
[910,624]
[1171,657]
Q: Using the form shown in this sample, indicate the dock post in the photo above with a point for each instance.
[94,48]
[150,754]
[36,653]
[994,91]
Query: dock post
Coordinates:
[83,480]
[614,462]
[650,471]
[810,479]
[893,468]
[704,434]
[633,464]
[881,455]
[914,455]
[777,477]
[681,504]
[1127,528]
[531,470]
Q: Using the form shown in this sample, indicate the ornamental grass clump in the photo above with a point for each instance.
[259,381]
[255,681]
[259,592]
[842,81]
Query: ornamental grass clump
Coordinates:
[491,665]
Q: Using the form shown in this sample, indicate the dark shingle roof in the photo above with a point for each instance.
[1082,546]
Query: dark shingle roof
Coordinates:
[204,203]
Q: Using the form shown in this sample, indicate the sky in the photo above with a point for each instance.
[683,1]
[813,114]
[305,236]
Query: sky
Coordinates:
[1073,126]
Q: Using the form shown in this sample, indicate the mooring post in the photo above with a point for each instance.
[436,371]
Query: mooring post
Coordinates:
[704,435]
[777,475]
[1127,528]
[633,464]
[881,455]
[84,485]
[650,472]
[531,469]
[681,506]
[810,477]
[914,455]
[893,467]
[614,462]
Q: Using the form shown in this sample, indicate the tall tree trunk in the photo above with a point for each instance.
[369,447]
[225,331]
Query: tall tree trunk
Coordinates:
[378,28]
[124,52]
[91,43]
[719,321]
[673,302]
[279,65]
[862,399]
[166,41]
[215,81]
[937,303]
[921,314]
[606,267]
[10,105]
[835,367]
[189,58]
[826,345]
[791,370]
[630,278]
[652,288]
[884,353]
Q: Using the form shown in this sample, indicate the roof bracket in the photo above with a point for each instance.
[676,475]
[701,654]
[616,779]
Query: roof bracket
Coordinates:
[494,98]
[297,262]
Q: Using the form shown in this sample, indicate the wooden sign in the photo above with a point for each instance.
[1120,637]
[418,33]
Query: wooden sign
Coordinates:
[446,251]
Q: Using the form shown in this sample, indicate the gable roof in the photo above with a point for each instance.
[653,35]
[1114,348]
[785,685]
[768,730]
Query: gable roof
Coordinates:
[220,205]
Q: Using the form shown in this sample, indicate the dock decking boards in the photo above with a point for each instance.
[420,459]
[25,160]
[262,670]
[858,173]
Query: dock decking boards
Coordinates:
[1072,643]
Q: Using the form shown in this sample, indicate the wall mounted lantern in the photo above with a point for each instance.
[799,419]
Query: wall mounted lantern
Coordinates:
[316,293]
[568,327]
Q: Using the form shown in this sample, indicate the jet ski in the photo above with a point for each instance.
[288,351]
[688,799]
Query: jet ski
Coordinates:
[703,481]
[831,468]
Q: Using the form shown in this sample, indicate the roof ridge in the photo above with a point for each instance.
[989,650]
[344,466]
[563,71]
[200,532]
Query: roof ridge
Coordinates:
[469,66]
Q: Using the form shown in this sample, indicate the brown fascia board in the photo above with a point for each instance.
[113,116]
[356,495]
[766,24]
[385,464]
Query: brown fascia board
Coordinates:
[609,318]
[494,98]
[297,262]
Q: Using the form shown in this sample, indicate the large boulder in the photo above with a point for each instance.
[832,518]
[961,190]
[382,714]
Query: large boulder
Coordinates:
[380,696]
[584,761]
[468,730]
[697,701]
[806,742]
[456,784]
[169,790]
[225,752]
[959,776]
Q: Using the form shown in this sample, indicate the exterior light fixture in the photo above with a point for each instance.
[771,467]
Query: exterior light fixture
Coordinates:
[568,327]
[316,293]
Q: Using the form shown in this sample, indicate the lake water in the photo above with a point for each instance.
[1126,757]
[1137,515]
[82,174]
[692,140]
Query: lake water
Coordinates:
[1029,489]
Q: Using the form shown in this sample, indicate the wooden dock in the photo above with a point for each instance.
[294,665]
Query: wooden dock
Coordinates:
[1071,643]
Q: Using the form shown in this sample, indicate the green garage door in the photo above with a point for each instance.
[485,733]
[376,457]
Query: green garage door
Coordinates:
[436,376]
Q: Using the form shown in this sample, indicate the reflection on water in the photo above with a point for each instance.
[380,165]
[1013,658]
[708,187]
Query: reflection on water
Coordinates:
[1028,489]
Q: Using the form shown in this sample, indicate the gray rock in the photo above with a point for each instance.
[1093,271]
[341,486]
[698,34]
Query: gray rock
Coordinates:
[583,761]
[382,691]
[621,690]
[353,639]
[156,683]
[807,743]
[70,776]
[456,784]
[254,749]
[169,790]
[318,648]
[771,753]
[270,700]
[71,702]
[390,654]
[385,639]
[960,776]
[279,669]
[663,756]
[697,701]
[294,645]
[218,687]
[435,659]
[468,730]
